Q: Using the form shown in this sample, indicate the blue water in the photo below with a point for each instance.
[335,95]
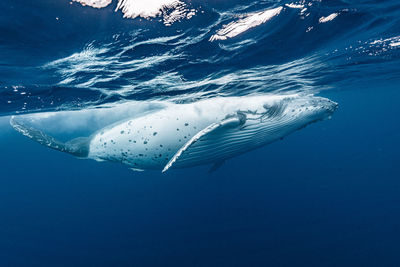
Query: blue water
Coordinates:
[328,195]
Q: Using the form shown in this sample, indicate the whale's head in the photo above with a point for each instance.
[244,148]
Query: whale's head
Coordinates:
[310,108]
[292,113]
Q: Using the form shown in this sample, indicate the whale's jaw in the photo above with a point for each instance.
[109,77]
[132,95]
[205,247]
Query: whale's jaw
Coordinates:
[312,109]
[298,113]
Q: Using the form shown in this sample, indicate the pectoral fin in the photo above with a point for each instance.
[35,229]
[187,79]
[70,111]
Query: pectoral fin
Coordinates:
[216,166]
[229,122]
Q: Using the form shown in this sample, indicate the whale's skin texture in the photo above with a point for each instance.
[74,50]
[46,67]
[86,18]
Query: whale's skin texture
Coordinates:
[185,135]
[151,141]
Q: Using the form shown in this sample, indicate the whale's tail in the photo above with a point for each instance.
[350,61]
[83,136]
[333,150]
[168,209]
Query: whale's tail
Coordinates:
[78,147]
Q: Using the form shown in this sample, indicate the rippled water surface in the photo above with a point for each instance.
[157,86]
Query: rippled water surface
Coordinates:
[59,54]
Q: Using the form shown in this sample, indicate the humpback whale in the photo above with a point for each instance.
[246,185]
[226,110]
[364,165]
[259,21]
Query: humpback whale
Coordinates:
[169,135]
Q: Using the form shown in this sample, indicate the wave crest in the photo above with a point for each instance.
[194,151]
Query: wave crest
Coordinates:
[249,21]
[94,3]
[170,10]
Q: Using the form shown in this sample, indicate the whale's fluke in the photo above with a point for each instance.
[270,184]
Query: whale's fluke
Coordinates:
[78,147]
[231,121]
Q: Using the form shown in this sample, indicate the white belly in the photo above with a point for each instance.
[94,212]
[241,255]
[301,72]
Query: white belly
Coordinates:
[148,142]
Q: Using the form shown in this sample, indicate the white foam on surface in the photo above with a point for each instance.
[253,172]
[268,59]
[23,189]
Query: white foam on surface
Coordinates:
[251,20]
[393,41]
[170,10]
[145,8]
[94,3]
[176,13]
[328,18]
[293,5]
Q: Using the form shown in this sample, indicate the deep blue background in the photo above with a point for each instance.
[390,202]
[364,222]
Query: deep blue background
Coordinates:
[325,196]
[328,195]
